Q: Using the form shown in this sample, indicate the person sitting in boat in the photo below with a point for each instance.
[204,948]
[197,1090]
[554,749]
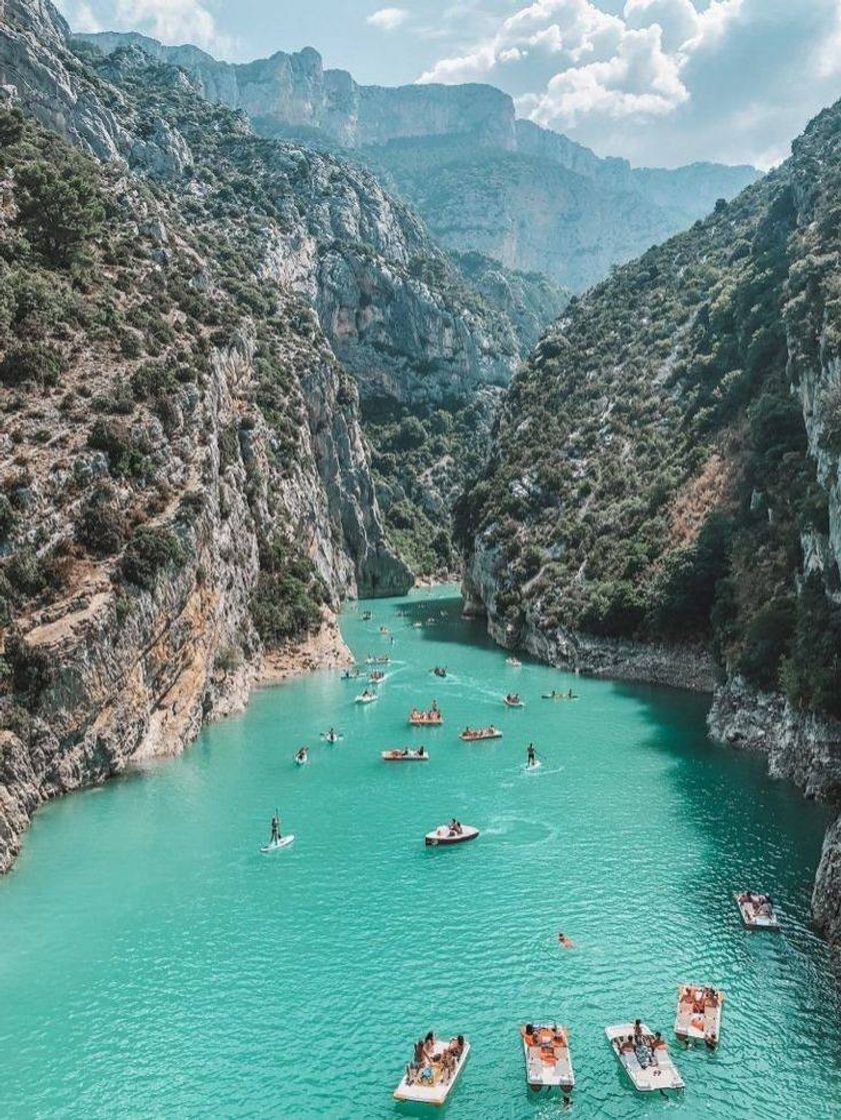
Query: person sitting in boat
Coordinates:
[456,1047]
[275,829]
[658,1042]
[531,757]
[626,1045]
[302,755]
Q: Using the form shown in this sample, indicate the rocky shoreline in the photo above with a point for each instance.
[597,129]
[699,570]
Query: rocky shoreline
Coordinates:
[802,748]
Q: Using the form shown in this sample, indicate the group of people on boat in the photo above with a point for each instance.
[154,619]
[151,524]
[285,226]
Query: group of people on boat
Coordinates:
[643,1046]
[513,700]
[555,695]
[757,905]
[432,1062]
[434,715]
[408,752]
[489,732]
[456,828]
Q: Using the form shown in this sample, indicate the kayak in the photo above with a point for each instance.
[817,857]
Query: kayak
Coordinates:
[276,845]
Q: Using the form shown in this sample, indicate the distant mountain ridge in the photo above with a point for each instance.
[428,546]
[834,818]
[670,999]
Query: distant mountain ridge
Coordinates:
[529,197]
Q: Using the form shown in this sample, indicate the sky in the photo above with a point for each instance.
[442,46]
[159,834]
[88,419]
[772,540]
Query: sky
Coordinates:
[661,82]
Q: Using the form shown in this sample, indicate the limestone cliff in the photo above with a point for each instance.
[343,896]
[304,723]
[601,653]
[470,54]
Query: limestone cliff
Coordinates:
[665,474]
[183,479]
[526,196]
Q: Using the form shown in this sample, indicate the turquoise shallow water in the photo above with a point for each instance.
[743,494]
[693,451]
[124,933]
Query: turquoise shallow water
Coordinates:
[154,964]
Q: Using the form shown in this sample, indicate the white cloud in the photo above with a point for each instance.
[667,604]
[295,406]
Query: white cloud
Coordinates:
[171,21]
[388,19]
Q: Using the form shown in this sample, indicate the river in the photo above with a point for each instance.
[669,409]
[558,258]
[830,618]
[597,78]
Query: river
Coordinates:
[154,964]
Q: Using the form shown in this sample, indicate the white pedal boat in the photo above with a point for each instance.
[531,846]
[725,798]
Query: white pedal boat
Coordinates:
[366,698]
[444,836]
[277,845]
[662,1073]
[479,734]
[409,754]
[757,910]
[432,1084]
[547,1055]
[699,1011]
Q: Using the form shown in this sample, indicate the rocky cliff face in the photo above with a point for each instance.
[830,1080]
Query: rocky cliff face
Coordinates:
[665,470]
[530,198]
[183,478]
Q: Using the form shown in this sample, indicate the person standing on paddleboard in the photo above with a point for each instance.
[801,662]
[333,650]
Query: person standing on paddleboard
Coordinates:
[275,828]
[531,758]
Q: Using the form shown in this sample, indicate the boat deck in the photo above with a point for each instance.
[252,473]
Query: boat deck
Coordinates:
[547,1055]
[699,1016]
[436,1085]
[754,917]
[661,1073]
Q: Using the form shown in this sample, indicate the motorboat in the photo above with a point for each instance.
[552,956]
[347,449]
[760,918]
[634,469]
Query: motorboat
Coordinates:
[512,700]
[647,1060]
[448,834]
[757,910]
[479,734]
[698,1016]
[431,1080]
[406,754]
[377,676]
[547,1056]
[440,670]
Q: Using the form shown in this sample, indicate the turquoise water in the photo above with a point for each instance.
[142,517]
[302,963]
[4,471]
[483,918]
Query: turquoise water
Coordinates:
[154,964]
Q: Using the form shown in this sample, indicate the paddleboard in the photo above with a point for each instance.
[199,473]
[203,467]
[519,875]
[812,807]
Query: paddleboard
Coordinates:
[276,845]
[534,766]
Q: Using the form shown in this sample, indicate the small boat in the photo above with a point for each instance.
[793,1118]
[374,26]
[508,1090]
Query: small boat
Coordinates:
[478,734]
[384,631]
[757,910]
[367,616]
[376,676]
[432,1082]
[446,835]
[514,662]
[440,670]
[553,695]
[331,736]
[699,1014]
[417,625]
[406,755]
[512,700]
[383,659]
[366,697]
[302,757]
[547,1055]
[432,718]
[276,845]
[648,1063]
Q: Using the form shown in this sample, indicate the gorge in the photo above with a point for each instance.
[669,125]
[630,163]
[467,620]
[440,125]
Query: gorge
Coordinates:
[204,319]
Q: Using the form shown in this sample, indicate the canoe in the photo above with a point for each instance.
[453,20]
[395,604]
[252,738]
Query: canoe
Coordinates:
[661,1073]
[699,1011]
[405,756]
[443,837]
[547,1056]
[756,910]
[431,1085]
[277,845]
[477,736]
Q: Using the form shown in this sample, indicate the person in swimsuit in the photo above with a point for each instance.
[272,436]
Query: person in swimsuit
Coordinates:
[531,757]
[275,829]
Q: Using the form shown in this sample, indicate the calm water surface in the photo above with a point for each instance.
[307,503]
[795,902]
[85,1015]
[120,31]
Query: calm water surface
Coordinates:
[154,964]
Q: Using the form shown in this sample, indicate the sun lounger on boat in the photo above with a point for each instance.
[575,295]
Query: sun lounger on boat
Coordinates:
[547,1055]
[649,1070]
[432,1082]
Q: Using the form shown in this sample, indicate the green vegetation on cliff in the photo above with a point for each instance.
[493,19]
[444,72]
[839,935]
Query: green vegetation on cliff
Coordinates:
[666,464]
